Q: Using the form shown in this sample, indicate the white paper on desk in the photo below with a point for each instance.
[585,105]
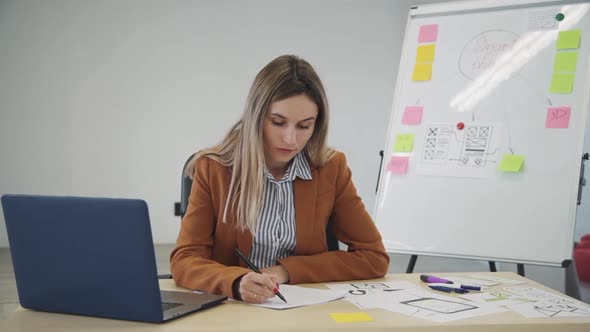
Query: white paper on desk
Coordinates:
[432,306]
[496,298]
[367,295]
[297,296]
[548,304]
[498,279]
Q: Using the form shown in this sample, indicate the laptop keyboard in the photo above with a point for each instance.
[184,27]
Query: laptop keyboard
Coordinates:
[170,305]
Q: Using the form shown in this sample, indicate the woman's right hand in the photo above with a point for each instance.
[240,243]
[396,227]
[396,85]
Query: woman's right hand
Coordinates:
[257,288]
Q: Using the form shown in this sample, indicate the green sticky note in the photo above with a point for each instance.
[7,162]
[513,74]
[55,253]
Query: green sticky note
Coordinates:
[404,143]
[348,317]
[511,163]
[422,72]
[425,53]
[565,61]
[568,39]
[562,83]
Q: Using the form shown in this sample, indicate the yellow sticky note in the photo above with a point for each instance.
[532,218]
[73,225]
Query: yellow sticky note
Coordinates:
[422,72]
[425,53]
[404,143]
[568,39]
[565,61]
[562,83]
[348,317]
[511,163]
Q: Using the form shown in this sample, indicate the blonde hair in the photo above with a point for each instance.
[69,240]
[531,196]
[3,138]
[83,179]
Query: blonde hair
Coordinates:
[242,148]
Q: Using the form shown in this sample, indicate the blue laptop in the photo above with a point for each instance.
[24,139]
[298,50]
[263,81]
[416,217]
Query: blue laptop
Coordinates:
[90,256]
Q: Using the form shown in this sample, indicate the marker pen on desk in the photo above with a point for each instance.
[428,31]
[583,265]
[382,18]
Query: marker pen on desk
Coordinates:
[430,279]
[448,289]
[470,287]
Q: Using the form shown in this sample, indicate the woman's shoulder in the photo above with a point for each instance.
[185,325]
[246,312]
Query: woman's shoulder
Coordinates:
[335,159]
[209,164]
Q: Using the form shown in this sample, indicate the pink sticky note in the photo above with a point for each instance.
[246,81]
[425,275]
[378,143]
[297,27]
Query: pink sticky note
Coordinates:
[412,115]
[428,33]
[558,117]
[398,165]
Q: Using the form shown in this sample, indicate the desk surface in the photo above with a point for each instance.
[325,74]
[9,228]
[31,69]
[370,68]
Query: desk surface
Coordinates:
[233,316]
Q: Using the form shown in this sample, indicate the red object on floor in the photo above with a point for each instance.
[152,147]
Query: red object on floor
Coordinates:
[582,258]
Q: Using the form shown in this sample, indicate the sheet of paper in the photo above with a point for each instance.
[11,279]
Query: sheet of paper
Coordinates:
[425,53]
[497,299]
[349,317]
[428,33]
[435,307]
[548,304]
[511,163]
[558,117]
[412,115]
[422,72]
[569,39]
[297,296]
[442,149]
[398,165]
[372,294]
[404,143]
[562,83]
[565,61]
[498,280]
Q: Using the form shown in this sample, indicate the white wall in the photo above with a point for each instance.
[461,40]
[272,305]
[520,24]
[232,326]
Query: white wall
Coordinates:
[108,98]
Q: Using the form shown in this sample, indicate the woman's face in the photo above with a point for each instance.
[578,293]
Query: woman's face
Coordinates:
[288,125]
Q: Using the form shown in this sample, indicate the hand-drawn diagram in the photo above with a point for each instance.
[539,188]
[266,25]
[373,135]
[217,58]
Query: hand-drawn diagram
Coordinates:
[547,304]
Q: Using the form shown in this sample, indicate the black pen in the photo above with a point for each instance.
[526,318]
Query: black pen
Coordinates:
[255,269]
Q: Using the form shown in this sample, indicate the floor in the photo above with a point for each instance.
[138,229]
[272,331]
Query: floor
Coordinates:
[548,276]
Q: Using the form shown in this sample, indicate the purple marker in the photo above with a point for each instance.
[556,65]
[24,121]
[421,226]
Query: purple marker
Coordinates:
[431,279]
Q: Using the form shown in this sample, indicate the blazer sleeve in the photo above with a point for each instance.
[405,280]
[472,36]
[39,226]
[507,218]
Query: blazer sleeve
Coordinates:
[190,261]
[365,258]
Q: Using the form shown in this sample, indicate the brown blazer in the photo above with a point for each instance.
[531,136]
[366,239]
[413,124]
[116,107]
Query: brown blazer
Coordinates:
[204,256]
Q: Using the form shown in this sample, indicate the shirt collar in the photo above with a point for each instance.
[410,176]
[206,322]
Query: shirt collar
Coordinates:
[298,168]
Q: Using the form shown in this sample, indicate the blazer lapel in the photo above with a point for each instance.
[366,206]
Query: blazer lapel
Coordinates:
[305,203]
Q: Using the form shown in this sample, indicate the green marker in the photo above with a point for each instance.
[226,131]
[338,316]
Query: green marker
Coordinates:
[559,17]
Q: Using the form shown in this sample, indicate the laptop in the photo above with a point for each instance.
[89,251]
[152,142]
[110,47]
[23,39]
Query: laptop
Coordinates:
[90,256]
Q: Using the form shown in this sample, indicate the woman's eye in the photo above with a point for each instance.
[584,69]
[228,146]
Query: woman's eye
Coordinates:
[304,127]
[278,123]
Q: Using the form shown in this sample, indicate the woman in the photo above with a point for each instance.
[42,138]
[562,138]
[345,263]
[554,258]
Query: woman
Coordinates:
[269,189]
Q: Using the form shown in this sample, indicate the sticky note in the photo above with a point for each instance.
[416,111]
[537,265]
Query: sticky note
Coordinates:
[568,39]
[428,33]
[511,163]
[404,143]
[565,61]
[349,317]
[422,72]
[412,115]
[562,83]
[398,165]
[425,53]
[558,117]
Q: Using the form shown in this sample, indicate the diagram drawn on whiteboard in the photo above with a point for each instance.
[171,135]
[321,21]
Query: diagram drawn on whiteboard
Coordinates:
[470,152]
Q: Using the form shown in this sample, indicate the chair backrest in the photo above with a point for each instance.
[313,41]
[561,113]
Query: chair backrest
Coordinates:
[185,191]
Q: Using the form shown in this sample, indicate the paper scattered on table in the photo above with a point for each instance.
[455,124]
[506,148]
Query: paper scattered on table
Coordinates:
[496,298]
[498,279]
[547,304]
[438,308]
[297,296]
[368,295]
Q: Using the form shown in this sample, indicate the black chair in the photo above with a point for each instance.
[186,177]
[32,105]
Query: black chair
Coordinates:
[185,191]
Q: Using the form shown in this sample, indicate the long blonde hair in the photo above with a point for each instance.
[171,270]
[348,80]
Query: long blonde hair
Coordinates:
[242,148]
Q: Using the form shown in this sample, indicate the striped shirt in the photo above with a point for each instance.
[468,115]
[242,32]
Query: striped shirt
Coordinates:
[275,231]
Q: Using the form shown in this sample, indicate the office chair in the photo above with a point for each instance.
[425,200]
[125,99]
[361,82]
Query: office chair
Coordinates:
[185,191]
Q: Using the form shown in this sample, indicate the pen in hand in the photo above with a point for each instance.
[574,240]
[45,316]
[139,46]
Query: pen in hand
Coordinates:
[255,269]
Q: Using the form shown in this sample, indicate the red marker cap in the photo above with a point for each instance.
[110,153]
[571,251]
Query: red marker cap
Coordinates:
[460,125]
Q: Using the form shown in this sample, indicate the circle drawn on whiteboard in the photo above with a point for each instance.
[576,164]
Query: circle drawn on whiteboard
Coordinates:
[483,51]
[559,17]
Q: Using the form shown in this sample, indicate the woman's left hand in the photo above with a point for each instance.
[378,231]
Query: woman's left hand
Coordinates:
[279,271]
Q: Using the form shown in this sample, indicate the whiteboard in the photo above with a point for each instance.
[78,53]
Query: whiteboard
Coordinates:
[494,92]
